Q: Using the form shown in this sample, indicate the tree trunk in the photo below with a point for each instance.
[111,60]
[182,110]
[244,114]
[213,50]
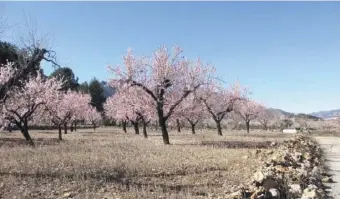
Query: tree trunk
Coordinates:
[136,127]
[178,126]
[247,126]
[10,128]
[165,135]
[24,131]
[162,124]
[94,127]
[71,127]
[265,127]
[65,128]
[219,128]
[124,126]
[193,128]
[144,129]
[75,125]
[60,134]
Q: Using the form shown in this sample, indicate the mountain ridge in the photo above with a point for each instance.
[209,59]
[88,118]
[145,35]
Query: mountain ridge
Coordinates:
[327,114]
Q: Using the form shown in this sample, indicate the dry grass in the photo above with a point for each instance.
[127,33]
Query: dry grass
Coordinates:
[111,164]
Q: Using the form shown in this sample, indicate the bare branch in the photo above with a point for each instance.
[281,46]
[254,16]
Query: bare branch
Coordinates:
[32,40]
[134,83]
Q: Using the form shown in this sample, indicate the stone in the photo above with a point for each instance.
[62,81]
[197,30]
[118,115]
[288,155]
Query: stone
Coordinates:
[66,195]
[302,171]
[274,193]
[259,177]
[281,169]
[307,164]
[327,179]
[269,184]
[236,194]
[312,186]
[257,151]
[273,144]
[307,156]
[245,157]
[294,189]
[269,152]
[259,193]
[310,194]
[69,194]
[293,162]
[315,171]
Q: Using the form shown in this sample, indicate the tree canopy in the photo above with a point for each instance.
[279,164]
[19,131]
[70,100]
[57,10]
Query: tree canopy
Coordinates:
[97,94]
[66,74]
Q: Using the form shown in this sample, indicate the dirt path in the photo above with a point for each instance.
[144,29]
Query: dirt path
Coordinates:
[331,146]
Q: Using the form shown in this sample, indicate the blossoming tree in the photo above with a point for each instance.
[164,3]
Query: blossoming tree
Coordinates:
[167,78]
[264,117]
[131,103]
[219,101]
[92,116]
[23,102]
[113,111]
[248,110]
[65,106]
[192,110]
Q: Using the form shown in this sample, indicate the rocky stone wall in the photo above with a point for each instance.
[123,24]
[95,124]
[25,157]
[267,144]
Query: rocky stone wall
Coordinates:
[294,170]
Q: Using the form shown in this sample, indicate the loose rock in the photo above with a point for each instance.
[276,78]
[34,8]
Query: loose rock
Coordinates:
[294,165]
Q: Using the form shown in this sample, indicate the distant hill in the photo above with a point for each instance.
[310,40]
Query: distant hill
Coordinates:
[327,114]
[281,113]
[307,116]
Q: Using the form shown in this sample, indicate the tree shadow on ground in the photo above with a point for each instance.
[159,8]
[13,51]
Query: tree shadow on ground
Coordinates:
[118,177]
[233,144]
[265,136]
[14,142]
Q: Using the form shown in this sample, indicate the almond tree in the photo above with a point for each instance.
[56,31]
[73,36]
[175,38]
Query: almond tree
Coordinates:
[22,103]
[80,109]
[65,106]
[93,116]
[134,120]
[192,110]
[264,117]
[167,78]
[110,111]
[141,107]
[133,104]
[233,120]
[114,107]
[6,72]
[219,101]
[27,62]
[248,110]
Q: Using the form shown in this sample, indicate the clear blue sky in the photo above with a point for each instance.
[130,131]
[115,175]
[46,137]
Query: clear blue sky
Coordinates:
[287,52]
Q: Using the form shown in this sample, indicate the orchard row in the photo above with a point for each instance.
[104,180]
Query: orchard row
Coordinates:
[162,88]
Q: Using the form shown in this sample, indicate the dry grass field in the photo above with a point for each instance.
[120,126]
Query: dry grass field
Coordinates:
[111,164]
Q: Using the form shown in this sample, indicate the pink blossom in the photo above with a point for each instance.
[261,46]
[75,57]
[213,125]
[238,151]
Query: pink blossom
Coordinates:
[168,78]
[6,72]
[248,110]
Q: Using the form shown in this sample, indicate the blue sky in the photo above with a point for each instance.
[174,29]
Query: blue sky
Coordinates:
[288,53]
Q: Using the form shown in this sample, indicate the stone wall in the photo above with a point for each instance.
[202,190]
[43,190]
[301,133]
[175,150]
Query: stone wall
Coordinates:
[294,170]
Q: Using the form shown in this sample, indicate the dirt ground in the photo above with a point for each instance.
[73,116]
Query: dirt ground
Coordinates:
[111,164]
[331,147]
